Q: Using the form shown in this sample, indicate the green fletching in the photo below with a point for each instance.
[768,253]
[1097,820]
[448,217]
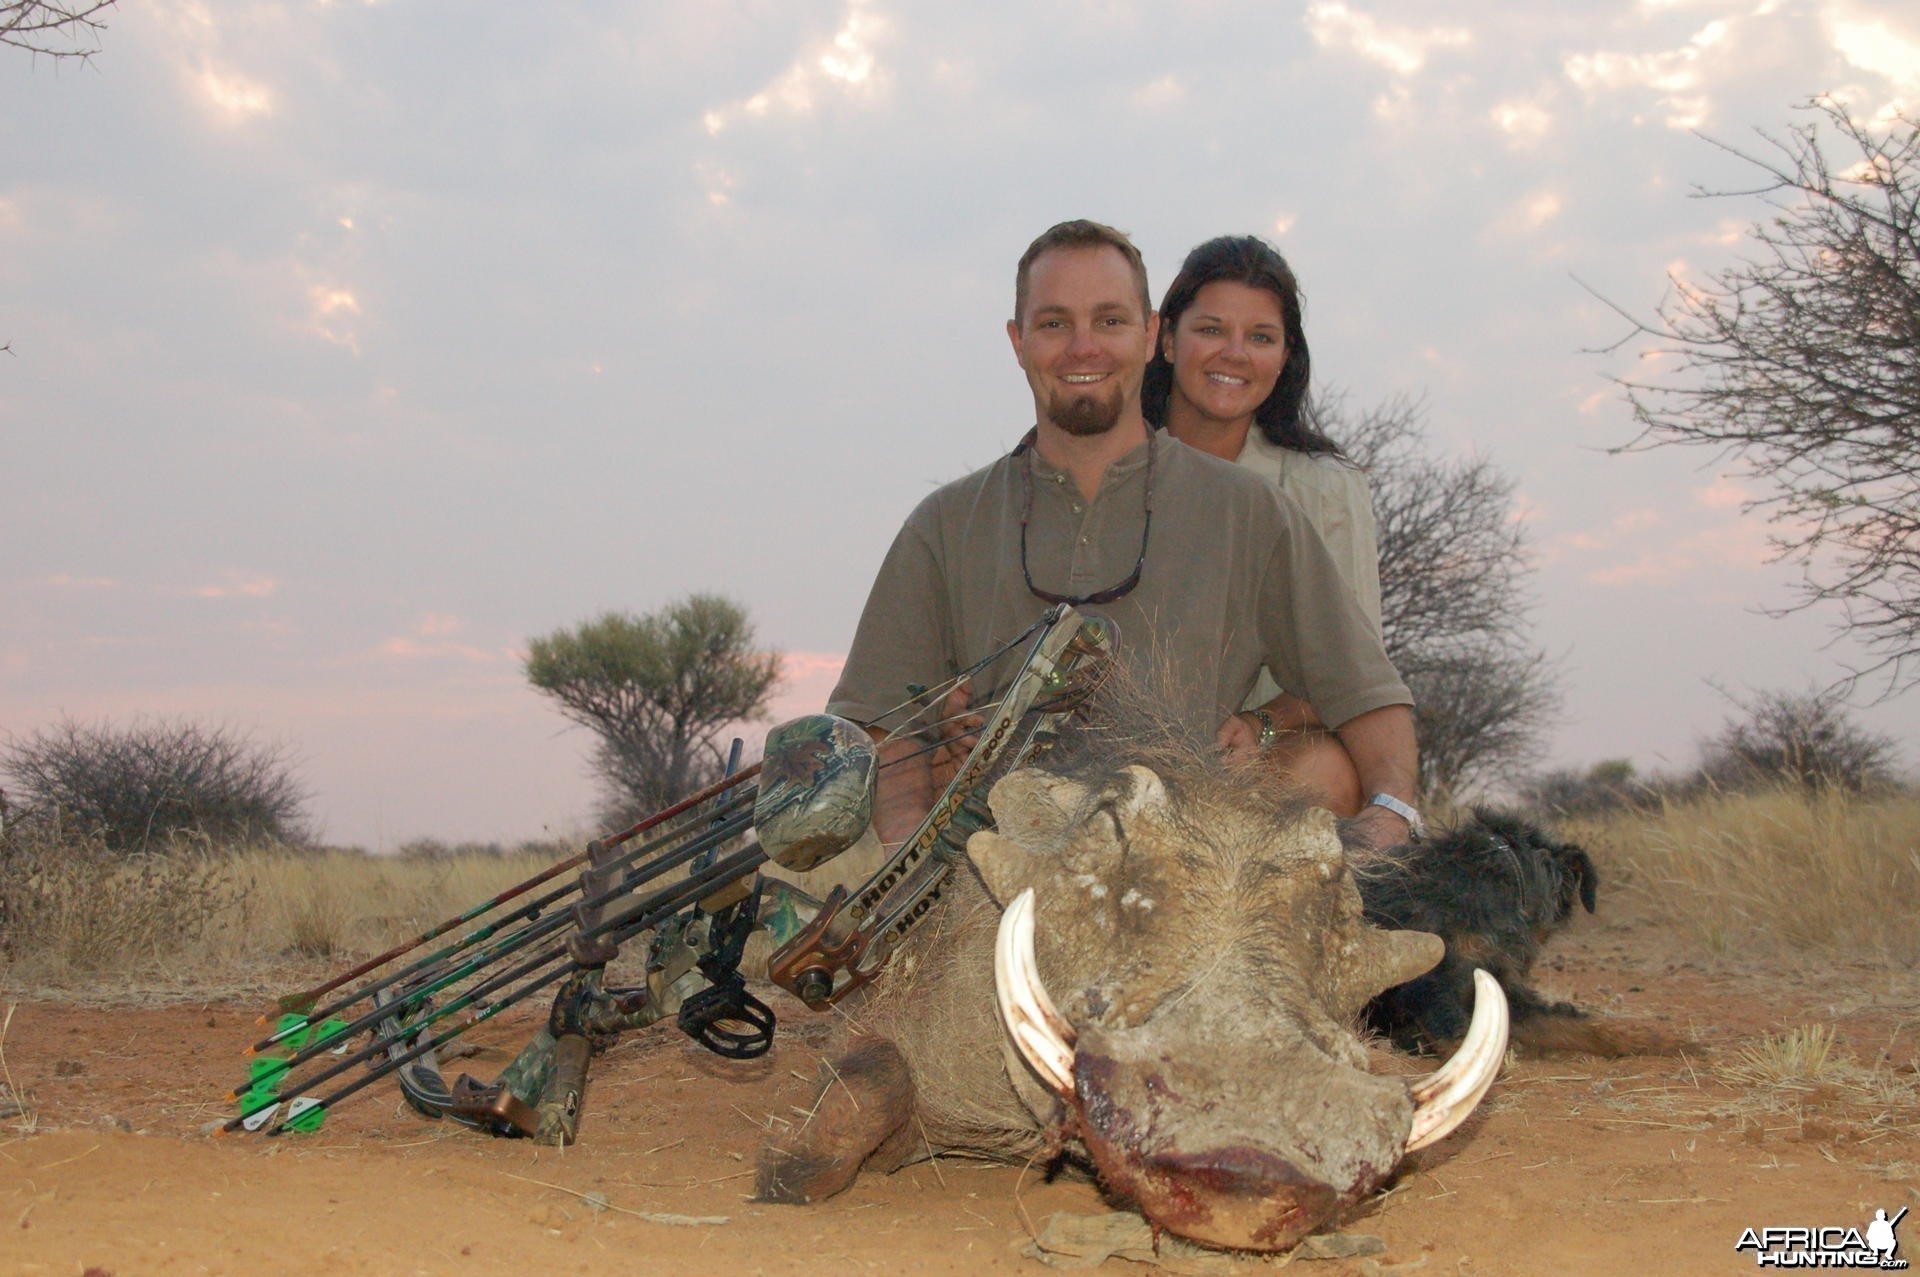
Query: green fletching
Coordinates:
[255,1097]
[264,1072]
[293,1031]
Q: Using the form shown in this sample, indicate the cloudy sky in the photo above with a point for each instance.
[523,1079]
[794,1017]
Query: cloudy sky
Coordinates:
[354,343]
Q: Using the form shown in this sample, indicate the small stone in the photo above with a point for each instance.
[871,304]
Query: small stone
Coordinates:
[547,1215]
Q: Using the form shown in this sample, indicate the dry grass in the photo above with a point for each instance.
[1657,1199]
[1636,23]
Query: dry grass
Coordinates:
[338,904]
[74,908]
[1823,874]
[1806,1074]
[1799,1055]
[76,916]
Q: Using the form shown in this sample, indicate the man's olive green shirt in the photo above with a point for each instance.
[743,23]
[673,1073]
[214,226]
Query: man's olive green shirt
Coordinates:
[1235,578]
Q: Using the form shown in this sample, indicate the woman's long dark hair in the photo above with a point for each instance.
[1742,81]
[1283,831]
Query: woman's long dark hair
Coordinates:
[1244,259]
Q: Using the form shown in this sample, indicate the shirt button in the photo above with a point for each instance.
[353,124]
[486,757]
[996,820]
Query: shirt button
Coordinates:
[1059,478]
[1074,508]
[1083,540]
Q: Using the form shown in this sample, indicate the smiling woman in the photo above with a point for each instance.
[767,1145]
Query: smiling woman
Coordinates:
[1232,355]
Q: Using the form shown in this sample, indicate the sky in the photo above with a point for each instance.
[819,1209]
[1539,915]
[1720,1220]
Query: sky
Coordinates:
[354,343]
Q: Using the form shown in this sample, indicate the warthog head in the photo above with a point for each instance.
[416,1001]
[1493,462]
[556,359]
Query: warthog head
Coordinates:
[1207,957]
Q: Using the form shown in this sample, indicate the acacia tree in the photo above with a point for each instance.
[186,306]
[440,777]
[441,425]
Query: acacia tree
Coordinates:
[1802,362]
[58,30]
[1453,600]
[1801,738]
[657,690]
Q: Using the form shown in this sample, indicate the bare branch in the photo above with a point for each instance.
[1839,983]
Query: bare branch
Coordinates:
[1800,362]
[58,31]
[1454,602]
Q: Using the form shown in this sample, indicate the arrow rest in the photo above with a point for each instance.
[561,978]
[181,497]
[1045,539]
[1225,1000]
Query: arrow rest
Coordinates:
[708,1015]
[708,1018]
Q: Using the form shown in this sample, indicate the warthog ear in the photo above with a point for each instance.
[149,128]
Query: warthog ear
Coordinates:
[1388,958]
[1148,791]
[1033,808]
[1031,811]
[1005,866]
[1406,954]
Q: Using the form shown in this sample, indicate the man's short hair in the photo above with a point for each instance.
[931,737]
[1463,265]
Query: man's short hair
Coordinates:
[1079,233]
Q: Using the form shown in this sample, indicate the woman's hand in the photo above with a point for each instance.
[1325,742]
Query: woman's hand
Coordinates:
[1239,735]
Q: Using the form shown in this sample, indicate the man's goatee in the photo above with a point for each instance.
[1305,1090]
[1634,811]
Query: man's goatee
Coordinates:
[1086,415]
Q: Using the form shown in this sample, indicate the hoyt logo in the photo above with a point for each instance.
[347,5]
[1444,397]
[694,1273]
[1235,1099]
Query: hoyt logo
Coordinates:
[1875,1246]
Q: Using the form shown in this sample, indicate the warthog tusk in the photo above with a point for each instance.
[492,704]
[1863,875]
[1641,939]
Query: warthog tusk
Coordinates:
[1039,1032]
[1451,1092]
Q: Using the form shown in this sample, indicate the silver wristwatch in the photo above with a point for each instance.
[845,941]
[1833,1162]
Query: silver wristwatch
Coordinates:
[1416,827]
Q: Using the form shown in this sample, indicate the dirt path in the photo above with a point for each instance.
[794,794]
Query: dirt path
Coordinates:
[1651,1165]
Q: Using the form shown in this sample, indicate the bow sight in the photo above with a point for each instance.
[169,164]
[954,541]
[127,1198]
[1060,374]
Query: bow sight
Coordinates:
[693,889]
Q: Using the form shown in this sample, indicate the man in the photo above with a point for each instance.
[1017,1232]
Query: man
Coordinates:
[1207,574]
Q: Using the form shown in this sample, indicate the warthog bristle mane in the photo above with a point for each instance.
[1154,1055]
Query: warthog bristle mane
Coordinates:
[1126,723]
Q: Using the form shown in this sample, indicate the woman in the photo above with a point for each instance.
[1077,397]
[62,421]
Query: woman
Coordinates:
[1230,378]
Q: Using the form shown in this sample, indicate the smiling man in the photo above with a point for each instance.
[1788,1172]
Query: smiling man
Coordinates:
[1207,573]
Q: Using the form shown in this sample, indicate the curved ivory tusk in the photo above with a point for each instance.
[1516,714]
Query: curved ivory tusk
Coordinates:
[1039,1032]
[1446,1097]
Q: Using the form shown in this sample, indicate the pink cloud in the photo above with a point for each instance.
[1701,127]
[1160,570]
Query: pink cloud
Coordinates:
[408,647]
[238,585]
[807,679]
[1722,494]
[427,640]
[1623,524]
[65,581]
[1738,546]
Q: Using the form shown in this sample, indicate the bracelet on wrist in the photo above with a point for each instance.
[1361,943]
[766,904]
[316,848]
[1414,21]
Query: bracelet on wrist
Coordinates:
[1269,734]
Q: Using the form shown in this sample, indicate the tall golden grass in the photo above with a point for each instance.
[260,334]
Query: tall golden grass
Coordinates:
[1822,875]
[1790,872]
[76,917]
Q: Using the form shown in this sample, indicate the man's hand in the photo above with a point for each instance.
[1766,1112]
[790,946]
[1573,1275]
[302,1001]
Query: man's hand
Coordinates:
[904,791]
[959,731]
[1378,828]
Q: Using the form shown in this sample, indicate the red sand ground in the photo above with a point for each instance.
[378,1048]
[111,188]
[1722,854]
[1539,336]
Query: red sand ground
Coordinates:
[1650,1165]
